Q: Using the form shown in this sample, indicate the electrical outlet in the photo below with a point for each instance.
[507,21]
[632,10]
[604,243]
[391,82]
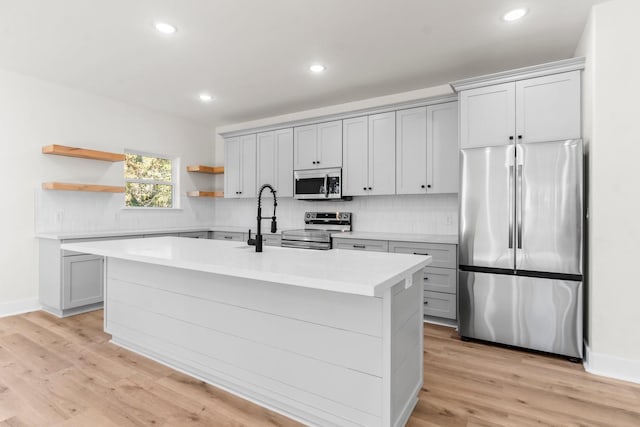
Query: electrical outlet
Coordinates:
[59,216]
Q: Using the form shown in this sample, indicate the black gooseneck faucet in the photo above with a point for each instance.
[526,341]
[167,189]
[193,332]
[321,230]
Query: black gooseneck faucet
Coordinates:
[257,242]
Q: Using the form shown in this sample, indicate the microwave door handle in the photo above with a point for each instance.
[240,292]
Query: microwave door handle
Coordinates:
[326,186]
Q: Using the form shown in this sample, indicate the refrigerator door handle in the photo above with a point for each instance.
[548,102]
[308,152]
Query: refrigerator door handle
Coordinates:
[511,207]
[519,237]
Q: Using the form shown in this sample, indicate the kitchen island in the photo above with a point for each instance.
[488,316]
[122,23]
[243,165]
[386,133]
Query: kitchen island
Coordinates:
[325,337]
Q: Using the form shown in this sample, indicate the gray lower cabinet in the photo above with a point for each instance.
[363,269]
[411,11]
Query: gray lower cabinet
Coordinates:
[234,236]
[82,280]
[272,240]
[229,235]
[361,245]
[160,235]
[70,282]
[195,234]
[444,255]
[439,304]
[440,278]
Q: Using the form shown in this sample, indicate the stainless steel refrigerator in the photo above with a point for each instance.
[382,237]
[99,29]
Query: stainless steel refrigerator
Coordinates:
[521,245]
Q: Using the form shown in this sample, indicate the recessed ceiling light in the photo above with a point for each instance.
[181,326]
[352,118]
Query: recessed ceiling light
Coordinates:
[514,15]
[205,97]
[317,68]
[165,28]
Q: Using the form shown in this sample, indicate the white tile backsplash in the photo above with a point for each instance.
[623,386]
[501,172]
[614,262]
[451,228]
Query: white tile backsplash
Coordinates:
[77,212]
[72,211]
[424,214]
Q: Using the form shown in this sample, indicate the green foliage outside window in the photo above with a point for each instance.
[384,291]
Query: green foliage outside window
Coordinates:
[148,181]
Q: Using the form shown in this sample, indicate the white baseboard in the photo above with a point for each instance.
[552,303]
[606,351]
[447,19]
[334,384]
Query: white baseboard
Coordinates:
[11,308]
[607,365]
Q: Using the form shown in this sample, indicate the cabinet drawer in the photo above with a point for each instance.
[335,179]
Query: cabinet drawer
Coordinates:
[226,235]
[443,255]
[440,280]
[439,305]
[146,236]
[271,240]
[361,245]
[196,234]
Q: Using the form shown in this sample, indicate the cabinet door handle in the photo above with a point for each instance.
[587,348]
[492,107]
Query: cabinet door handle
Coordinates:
[370,188]
[422,186]
[510,137]
[428,185]
[519,136]
[359,246]
[364,188]
[314,162]
[419,253]
[228,237]
[426,303]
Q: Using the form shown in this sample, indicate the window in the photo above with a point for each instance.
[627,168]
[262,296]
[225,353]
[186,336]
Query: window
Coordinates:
[149,181]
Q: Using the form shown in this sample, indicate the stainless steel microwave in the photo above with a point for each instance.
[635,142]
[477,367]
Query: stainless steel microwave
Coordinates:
[318,184]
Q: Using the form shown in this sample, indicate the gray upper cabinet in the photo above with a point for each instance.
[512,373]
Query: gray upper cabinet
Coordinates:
[548,108]
[355,148]
[411,151]
[487,116]
[369,155]
[318,146]
[382,153]
[539,109]
[240,167]
[427,149]
[275,160]
[442,148]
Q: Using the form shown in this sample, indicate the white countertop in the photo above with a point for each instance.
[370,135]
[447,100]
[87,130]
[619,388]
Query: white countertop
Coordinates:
[345,271]
[366,235]
[451,239]
[117,233]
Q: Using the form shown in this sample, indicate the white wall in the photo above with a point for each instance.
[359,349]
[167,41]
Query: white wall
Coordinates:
[34,113]
[611,112]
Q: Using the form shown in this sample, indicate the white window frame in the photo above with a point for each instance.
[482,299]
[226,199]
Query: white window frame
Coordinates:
[175,185]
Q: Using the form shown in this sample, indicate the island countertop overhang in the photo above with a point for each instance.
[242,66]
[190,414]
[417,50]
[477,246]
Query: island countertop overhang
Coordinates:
[344,271]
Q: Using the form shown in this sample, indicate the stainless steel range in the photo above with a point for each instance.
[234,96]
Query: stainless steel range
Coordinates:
[317,230]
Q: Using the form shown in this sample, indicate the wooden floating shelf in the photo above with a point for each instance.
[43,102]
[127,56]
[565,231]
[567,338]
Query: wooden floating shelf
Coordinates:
[61,150]
[205,193]
[67,186]
[206,169]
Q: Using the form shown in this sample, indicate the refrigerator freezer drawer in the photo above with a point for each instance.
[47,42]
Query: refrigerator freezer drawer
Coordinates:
[529,312]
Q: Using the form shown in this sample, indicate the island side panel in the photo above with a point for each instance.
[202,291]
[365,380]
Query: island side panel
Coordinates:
[403,349]
[314,355]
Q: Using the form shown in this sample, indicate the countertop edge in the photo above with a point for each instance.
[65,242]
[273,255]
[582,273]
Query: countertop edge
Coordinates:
[362,289]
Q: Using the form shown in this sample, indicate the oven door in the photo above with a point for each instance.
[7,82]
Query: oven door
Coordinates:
[317,184]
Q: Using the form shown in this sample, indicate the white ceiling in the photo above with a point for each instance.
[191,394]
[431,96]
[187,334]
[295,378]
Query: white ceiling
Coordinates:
[253,55]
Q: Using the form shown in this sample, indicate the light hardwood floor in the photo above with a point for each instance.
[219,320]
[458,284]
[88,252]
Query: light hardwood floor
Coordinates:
[63,372]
